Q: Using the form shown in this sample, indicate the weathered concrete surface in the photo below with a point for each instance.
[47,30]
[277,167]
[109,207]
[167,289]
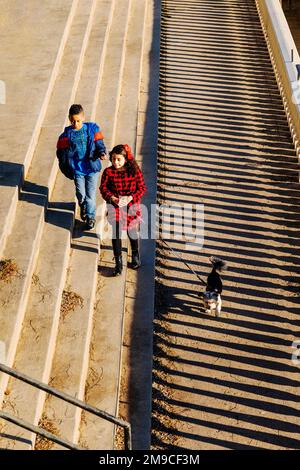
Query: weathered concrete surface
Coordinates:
[112,74]
[293,18]
[31,35]
[226,383]
[39,330]
[32,47]
[23,243]
[104,54]
[105,362]
[136,385]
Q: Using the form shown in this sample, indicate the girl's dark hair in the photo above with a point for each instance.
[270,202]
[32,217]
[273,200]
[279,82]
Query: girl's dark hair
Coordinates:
[130,164]
[75,109]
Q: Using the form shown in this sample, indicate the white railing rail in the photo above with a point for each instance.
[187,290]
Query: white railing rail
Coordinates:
[67,398]
[285,59]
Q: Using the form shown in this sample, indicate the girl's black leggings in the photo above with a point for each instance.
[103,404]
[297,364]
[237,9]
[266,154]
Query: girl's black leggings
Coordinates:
[133,236]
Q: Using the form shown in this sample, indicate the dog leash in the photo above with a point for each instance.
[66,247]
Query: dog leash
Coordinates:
[187,265]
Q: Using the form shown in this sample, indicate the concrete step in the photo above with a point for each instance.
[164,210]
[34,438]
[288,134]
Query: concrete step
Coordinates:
[44,166]
[126,125]
[41,49]
[104,362]
[39,330]
[70,372]
[22,247]
[90,81]
[106,347]
[110,90]
[70,361]
[84,259]
[30,211]
[42,46]
[63,191]
[137,347]
[107,110]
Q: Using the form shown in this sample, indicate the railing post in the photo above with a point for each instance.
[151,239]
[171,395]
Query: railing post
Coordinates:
[74,401]
[128,438]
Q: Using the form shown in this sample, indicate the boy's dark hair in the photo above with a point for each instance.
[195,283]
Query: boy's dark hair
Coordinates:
[75,109]
[130,164]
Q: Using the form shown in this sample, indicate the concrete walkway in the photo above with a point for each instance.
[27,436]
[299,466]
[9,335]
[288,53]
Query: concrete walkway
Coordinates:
[59,321]
[136,386]
[293,18]
[226,383]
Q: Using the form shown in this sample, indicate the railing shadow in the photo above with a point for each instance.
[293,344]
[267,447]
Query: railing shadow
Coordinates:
[224,141]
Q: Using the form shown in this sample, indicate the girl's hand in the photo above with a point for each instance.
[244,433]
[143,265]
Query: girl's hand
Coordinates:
[114,199]
[124,200]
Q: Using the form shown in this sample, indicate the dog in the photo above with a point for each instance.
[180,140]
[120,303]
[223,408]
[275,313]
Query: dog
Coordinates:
[212,296]
[212,302]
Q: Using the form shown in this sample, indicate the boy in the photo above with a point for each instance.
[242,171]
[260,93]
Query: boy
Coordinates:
[79,151]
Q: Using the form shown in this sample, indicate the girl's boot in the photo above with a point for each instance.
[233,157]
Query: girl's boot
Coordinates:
[119,266]
[136,261]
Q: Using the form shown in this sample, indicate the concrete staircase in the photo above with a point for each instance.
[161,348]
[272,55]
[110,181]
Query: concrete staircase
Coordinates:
[50,309]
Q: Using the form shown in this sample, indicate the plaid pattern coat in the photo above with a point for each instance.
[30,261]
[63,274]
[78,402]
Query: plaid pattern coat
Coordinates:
[120,183]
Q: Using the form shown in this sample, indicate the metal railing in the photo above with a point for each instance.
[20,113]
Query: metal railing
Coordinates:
[68,398]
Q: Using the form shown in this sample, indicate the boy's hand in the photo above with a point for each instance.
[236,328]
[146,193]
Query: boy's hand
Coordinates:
[103,156]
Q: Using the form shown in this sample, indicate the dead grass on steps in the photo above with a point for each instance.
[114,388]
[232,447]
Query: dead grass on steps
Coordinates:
[93,380]
[41,442]
[43,291]
[119,442]
[8,270]
[70,300]
[119,436]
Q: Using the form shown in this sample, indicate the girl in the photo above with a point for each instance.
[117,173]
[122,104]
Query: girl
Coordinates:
[122,187]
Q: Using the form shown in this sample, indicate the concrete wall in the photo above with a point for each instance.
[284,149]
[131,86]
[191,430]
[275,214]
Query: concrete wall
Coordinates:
[281,45]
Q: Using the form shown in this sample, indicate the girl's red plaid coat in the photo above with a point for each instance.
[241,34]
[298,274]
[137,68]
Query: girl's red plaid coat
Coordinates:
[120,183]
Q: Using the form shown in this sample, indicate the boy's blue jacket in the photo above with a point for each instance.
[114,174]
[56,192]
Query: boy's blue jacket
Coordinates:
[65,150]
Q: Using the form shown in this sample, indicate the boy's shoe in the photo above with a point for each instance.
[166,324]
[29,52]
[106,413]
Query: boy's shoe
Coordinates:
[90,223]
[82,211]
[136,262]
[119,266]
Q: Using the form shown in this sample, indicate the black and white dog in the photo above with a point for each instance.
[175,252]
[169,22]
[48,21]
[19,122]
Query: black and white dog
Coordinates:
[214,286]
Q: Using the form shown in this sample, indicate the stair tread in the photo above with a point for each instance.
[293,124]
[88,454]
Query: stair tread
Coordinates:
[110,85]
[126,128]
[87,259]
[21,247]
[21,244]
[9,197]
[75,356]
[72,348]
[92,71]
[35,347]
[43,165]
[105,362]
[63,191]
[39,326]
[35,50]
